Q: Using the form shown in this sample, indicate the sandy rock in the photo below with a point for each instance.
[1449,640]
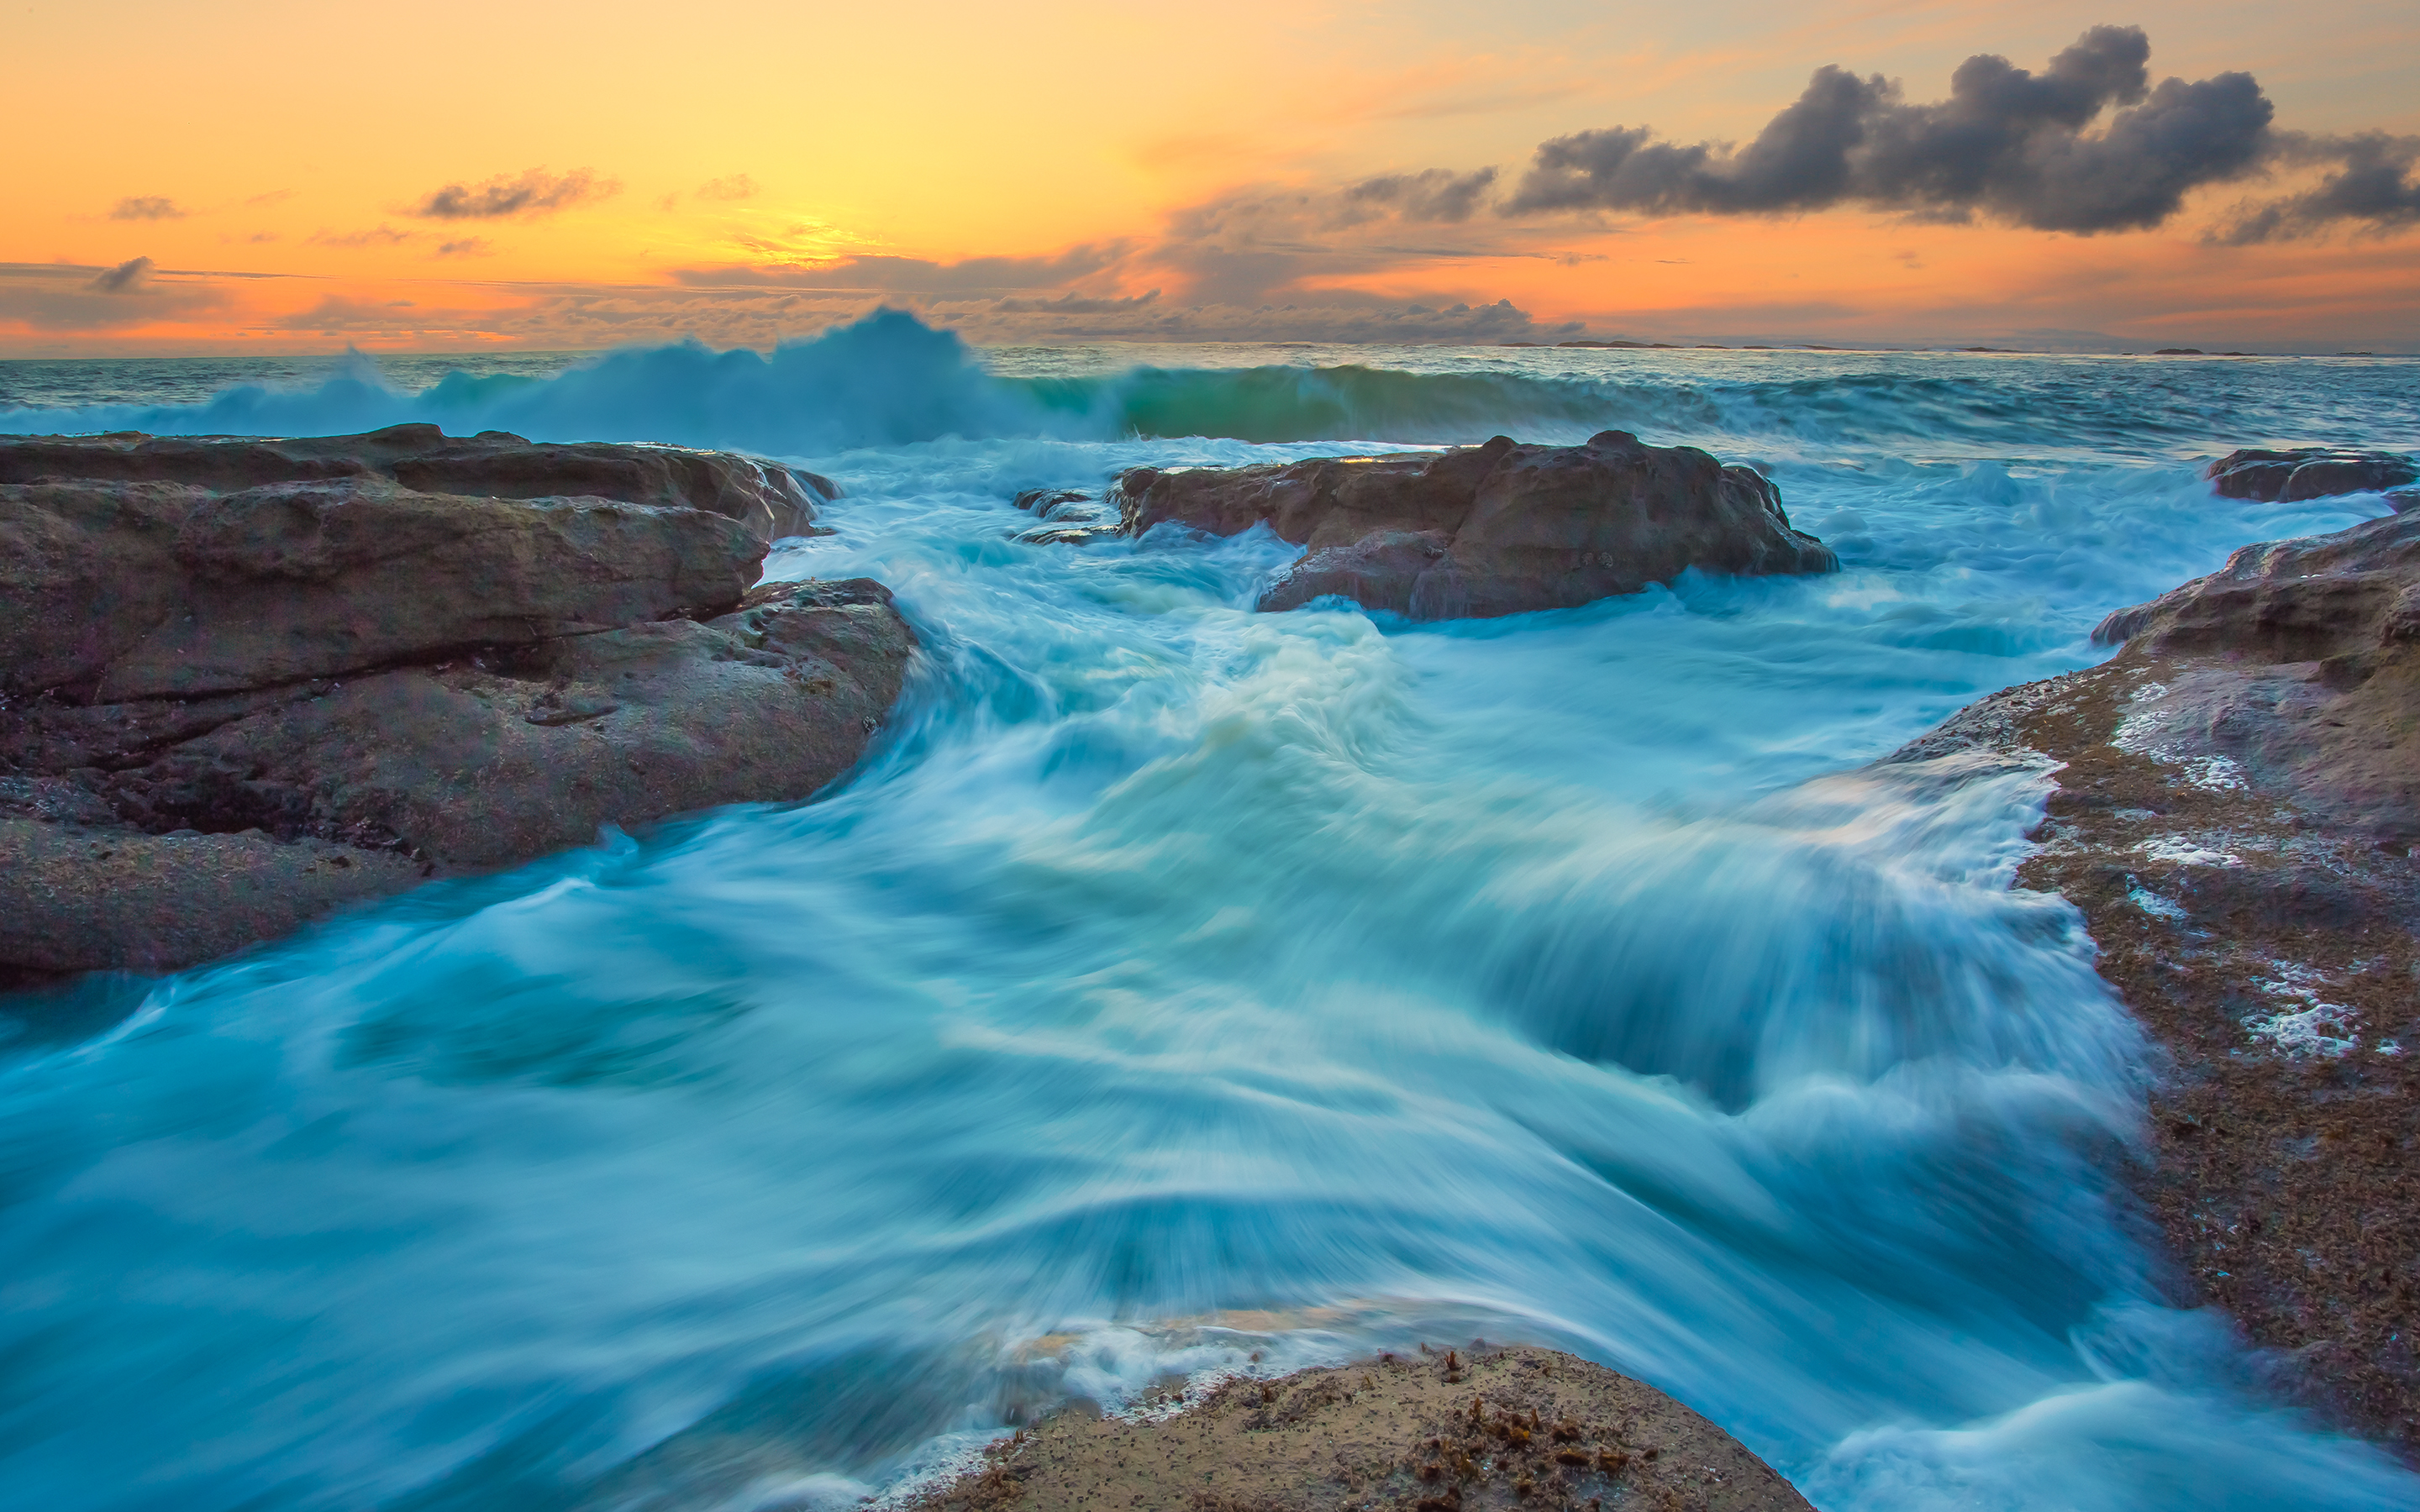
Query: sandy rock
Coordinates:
[1485,531]
[1452,1431]
[2312,473]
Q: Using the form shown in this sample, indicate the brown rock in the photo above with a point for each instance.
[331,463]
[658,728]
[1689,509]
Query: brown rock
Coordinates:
[2311,472]
[223,714]
[2237,795]
[113,591]
[1482,1428]
[1485,531]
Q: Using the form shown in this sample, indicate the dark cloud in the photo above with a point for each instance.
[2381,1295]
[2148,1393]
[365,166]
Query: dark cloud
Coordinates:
[2373,181]
[132,276]
[2008,143]
[147,207]
[534,192]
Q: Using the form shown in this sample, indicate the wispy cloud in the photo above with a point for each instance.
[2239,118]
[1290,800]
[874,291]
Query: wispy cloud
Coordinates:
[535,191]
[147,207]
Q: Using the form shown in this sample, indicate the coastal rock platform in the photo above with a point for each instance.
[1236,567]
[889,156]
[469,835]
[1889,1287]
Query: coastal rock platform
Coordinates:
[228,705]
[2236,807]
[1485,531]
[1444,1430]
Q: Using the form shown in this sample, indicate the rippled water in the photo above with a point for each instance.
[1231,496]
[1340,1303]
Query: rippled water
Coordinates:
[1172,984]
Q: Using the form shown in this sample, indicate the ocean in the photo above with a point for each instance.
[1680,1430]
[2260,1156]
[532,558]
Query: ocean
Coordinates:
[1178,991]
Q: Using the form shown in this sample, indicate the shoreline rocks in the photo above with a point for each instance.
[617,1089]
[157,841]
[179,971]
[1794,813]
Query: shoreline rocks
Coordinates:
[2237,804]
[1444,1430]
[2314,472]
[228,705]
[1485,531]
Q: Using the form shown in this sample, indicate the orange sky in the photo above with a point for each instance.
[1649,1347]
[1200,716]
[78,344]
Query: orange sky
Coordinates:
[755,170]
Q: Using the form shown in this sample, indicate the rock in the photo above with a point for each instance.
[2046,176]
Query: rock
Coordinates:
[1076,517]
[1491,530]
[1477,1429]
[113,591]
[2235,805]
[770,500]
[2312,473]
[223,713]
[2300,662]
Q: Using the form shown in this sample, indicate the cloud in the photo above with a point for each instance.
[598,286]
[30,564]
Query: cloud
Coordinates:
[66,297]
[733,186]
[2008,143]
[1076,304]
[377,236]
[132,276]
[1436,195]
[535,191]
[2374,181]
[883,273]
[147,207]
[466,247]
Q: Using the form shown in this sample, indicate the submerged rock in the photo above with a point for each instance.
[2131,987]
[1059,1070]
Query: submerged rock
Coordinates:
[1491,530]
[1075,518]
[225,710]
[2236,804]
[2313,472]
[1482,1428]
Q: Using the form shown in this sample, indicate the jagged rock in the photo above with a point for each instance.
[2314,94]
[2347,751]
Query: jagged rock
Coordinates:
[223,713]
[770,500]
[2313,472]
[1498,529]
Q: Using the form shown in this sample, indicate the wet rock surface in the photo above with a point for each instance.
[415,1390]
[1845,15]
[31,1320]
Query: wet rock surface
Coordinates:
[1071,518]
[2314,472]
[225,711]
[1437,1431]
[1485,531]
[2237,800]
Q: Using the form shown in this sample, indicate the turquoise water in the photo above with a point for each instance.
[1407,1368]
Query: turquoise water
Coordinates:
[1173,985]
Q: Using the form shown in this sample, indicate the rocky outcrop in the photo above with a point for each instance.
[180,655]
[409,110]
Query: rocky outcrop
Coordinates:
[1467,1430]
[2314,472]
[770,500]
[226,710]
[2236,803]
[1483,531]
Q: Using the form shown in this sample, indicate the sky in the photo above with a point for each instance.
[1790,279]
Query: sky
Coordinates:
[276,175]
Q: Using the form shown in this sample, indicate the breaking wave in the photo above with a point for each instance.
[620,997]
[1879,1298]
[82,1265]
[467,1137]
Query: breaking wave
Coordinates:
[889,380]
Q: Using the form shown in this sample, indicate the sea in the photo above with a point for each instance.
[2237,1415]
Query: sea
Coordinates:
[1174,992]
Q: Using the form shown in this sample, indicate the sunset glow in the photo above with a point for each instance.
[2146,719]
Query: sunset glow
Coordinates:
[274,176]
